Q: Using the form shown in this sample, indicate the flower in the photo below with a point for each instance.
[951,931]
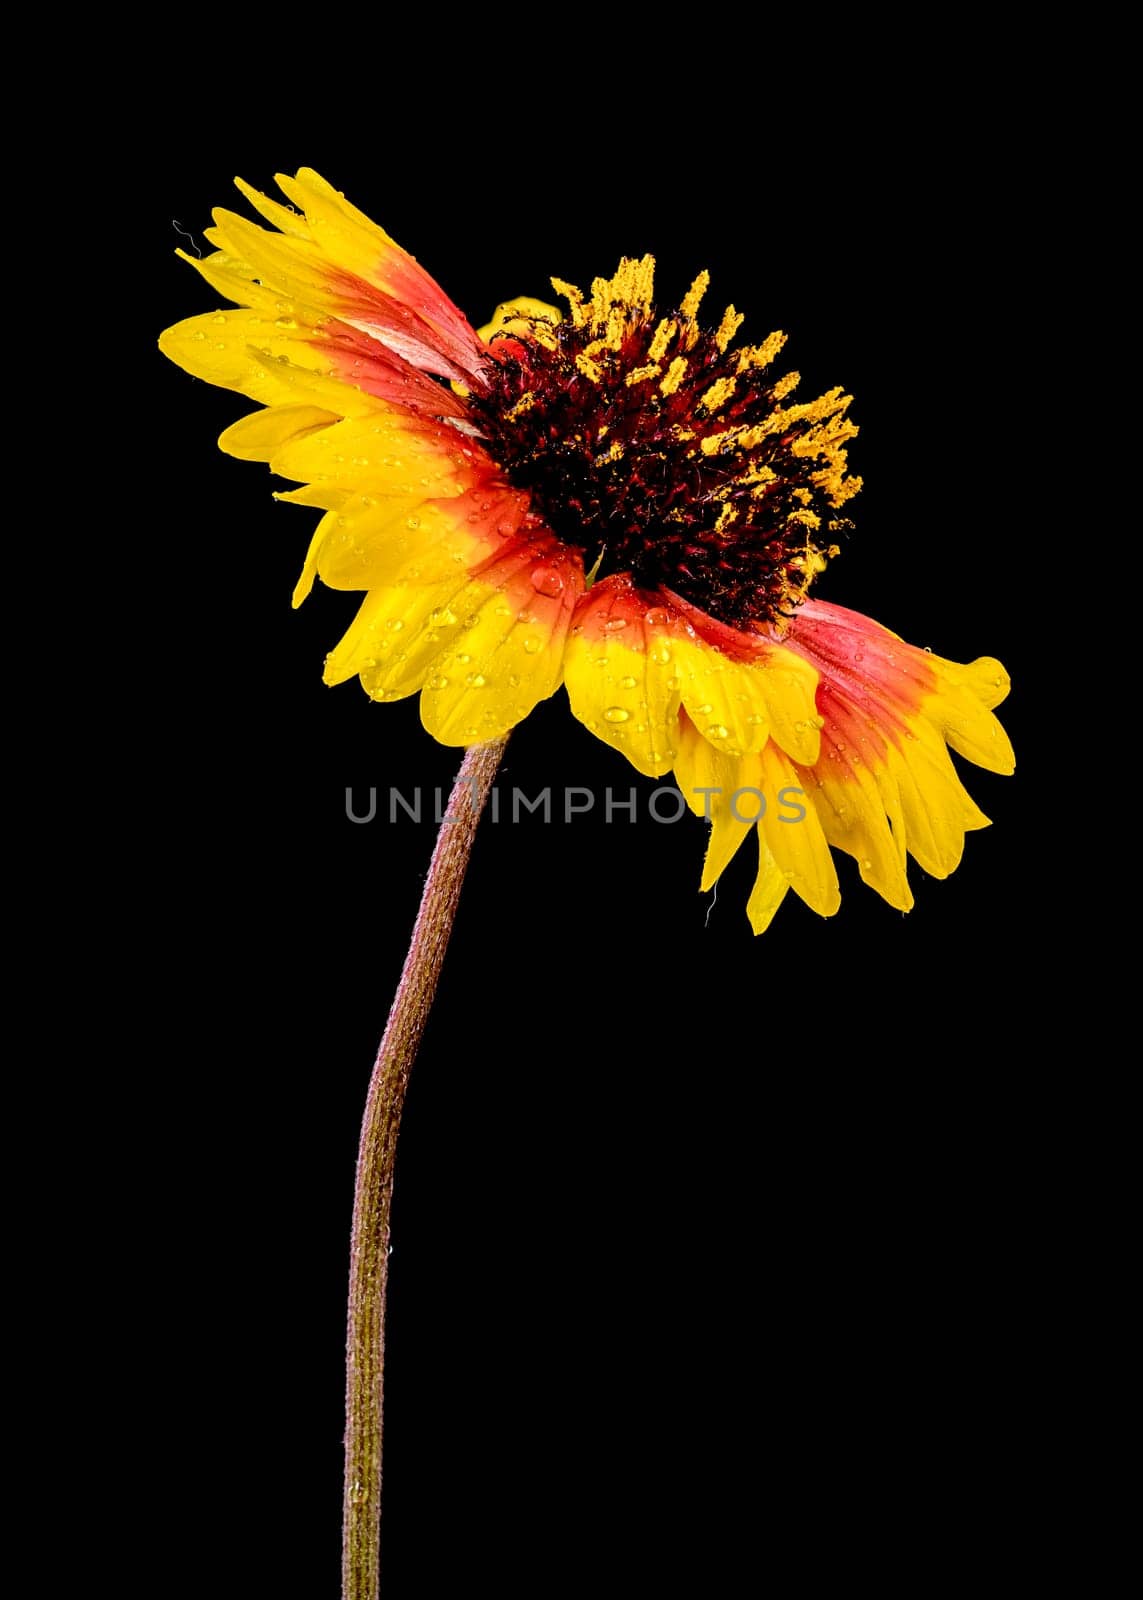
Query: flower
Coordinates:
[617,501]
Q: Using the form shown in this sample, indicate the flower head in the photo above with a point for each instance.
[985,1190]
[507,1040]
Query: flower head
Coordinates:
[611,498]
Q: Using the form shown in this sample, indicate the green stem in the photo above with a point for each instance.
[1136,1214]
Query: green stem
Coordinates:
[369,1249]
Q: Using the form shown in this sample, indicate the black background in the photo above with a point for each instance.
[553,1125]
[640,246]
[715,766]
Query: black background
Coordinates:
[707,1249]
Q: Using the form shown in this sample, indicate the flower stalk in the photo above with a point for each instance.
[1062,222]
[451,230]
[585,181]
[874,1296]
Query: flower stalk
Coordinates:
[369,1249]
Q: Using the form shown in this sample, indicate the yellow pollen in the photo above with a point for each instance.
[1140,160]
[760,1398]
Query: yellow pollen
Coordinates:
[574,298]
[641,374]
[761,355]
[718,393]
[675,374]
[629,292]
[726,516]
[663,335]
[525,403]
[588,367]
[693,297]
[731,322]
[716,443]
[787,385]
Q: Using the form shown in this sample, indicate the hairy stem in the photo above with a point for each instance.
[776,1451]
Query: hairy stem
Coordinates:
[369,1250]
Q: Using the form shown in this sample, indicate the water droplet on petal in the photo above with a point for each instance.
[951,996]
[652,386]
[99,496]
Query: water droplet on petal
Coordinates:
[628,683]
[717,731]
[548,580]
[476,680]
[656,617]
[531,645]
[617,714]
[439,682]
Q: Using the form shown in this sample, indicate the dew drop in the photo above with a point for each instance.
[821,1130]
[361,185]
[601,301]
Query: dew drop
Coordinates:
[442,617]
[661,653]
[531,645]
[394,623]
[617,714]
[656,617]
[628,683]
[439,682]
[476,680]
[464,659]
[548,580]
[412,522]
[716,730]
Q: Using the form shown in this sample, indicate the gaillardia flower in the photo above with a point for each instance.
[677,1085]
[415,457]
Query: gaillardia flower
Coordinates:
[611,499]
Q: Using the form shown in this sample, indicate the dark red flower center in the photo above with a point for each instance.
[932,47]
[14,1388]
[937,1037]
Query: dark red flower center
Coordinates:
[652,445]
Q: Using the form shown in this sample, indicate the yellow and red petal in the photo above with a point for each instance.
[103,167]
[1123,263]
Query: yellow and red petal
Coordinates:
[741,689]
[485,647]
[883,783]
[370,541]
[330,259]
[622,674]
[508,652]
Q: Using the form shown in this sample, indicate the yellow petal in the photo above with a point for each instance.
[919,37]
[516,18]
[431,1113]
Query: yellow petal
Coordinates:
[794,835]
[970,727]
[382,453]
[369,542]
[790,684]
[394,639]
[623,683]
[721,788]
[852,814]
[508,654]
[258,436]
[726,700]
[769,889]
